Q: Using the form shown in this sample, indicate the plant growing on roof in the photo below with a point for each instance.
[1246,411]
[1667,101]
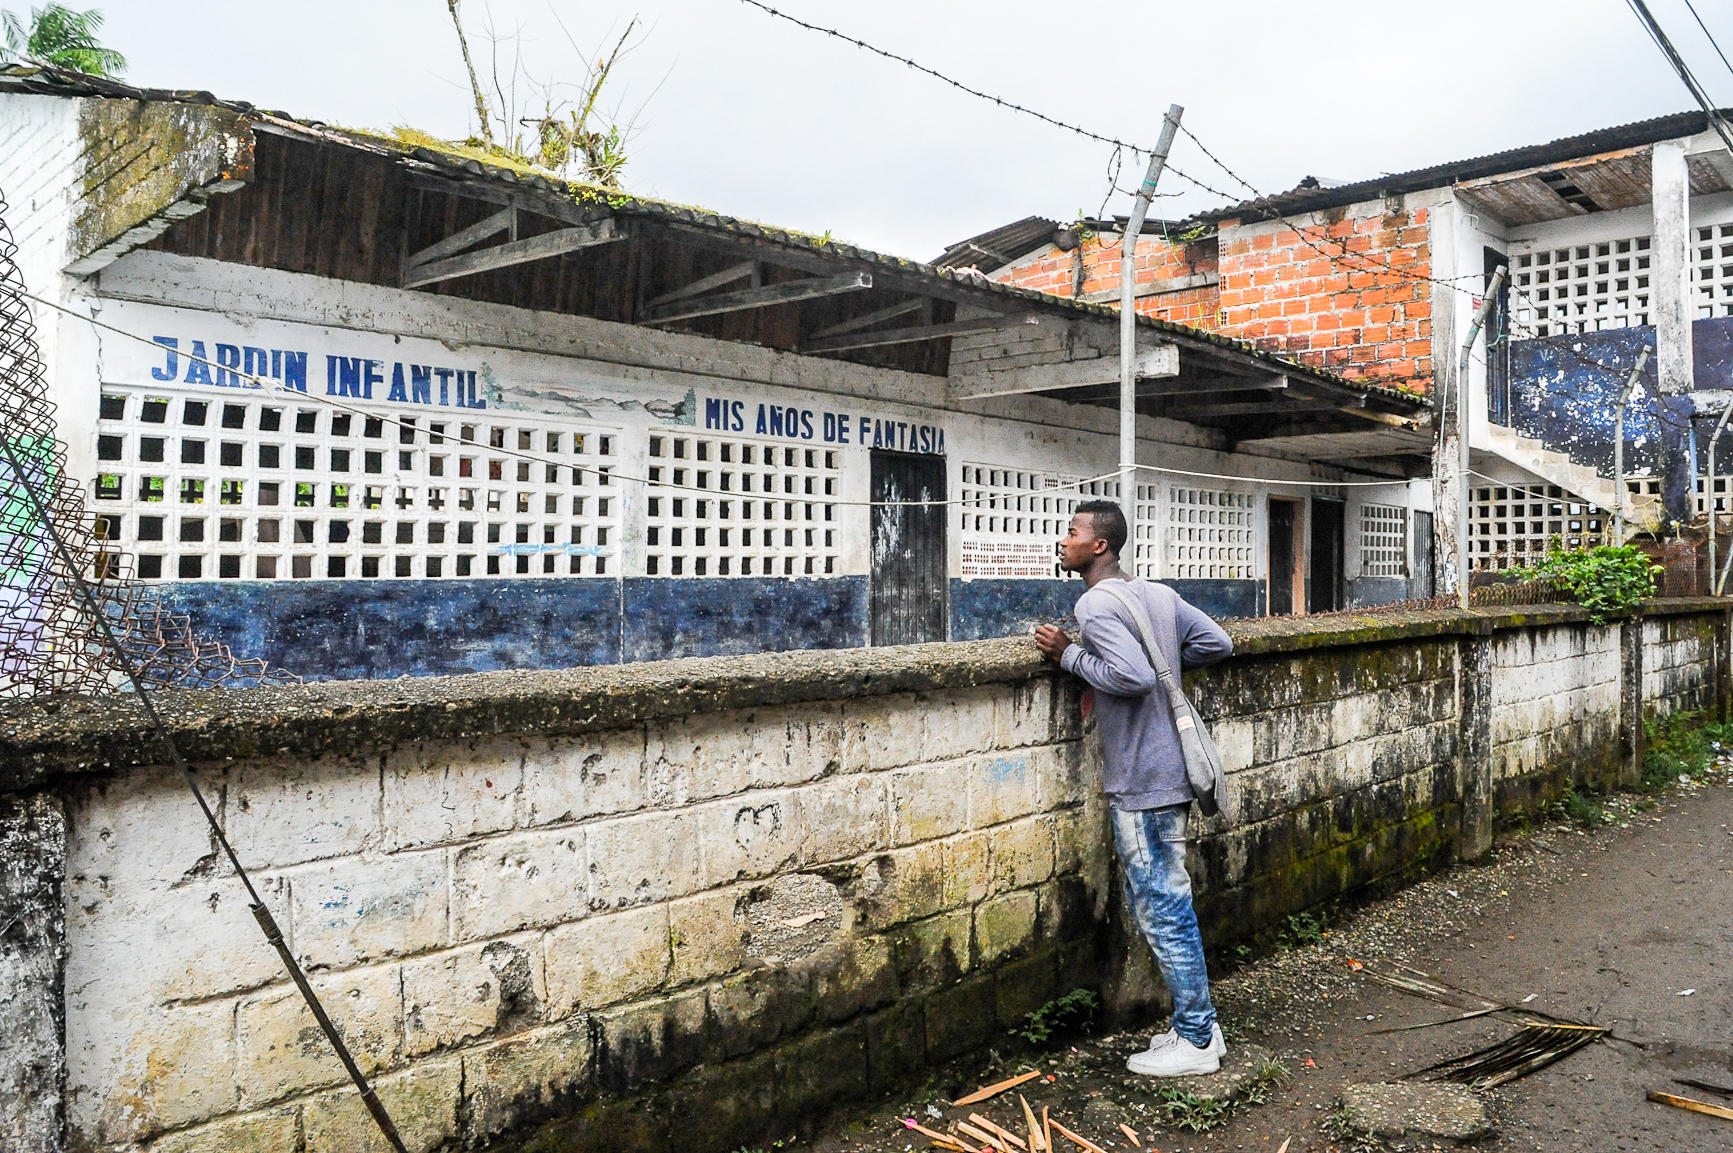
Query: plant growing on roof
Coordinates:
[63,37]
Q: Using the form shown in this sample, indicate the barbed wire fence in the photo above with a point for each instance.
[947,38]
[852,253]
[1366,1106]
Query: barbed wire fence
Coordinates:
[50,638]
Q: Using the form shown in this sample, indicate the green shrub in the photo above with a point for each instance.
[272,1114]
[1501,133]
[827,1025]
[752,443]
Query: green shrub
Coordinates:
[1073,1009]
[1603,579]
[1680,745]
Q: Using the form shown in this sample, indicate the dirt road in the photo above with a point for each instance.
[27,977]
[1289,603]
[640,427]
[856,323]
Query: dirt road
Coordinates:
[1628,925]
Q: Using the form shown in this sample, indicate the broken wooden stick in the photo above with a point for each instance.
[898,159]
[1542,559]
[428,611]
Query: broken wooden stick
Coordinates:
[985,1138]
[1702,1107]
[940,1138]
[1005,1135]
[1035,1145]
[992,1091]
[1129,1132]
[1046,1130]
[1706,1086]
[1082,1142]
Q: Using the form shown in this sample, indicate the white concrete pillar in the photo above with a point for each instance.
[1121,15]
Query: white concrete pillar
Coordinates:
[1671,311]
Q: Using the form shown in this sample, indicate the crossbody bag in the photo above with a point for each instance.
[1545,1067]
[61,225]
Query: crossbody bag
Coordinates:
[1203,762]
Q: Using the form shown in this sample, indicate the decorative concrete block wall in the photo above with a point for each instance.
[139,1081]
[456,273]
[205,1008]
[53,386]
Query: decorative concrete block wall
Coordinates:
[612,907]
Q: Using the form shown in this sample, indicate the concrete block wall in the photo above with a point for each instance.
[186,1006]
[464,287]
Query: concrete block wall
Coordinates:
[577,907]
[510,926]
[1556,695]
[1675,650]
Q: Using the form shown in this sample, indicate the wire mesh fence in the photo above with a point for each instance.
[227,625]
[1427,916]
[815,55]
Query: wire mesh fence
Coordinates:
[56,575]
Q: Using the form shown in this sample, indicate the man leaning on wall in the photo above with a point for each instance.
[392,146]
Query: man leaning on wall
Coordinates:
[1143,770]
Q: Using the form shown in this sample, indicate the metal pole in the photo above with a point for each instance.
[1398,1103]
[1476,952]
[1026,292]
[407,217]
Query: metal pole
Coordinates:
[1619,450]
[1709,493]
[1128,328]
[1462,437]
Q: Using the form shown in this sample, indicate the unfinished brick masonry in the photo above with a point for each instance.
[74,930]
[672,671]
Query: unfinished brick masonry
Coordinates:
[1346,290]
[580,905]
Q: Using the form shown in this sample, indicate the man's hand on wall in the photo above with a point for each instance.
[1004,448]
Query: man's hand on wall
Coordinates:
[1052,641]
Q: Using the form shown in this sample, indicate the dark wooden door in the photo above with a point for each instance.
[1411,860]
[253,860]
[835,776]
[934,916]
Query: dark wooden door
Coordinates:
[1424,582]
[910,579]
[1282,524]
[1324,572]
[1497,348]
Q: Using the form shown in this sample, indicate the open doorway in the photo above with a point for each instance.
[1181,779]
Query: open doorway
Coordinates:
[1287,527]
[1324,589]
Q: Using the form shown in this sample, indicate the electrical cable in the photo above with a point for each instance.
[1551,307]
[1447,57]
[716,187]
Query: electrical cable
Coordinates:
[1683,70]
[267,385]
[256,903]
[1712,42]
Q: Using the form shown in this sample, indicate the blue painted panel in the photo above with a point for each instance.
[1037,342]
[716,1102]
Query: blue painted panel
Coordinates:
[718,616]
[994,607]
[1365,592]
[346,630]
[1222,598]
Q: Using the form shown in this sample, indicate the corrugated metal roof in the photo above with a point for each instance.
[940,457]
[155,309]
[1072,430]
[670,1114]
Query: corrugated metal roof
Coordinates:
[999,246]
[58,82]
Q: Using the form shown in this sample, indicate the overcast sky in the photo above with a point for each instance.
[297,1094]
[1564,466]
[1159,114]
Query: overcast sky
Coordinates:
[750,116]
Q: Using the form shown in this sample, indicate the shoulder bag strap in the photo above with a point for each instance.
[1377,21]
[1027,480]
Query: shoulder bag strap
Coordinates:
[1163,672]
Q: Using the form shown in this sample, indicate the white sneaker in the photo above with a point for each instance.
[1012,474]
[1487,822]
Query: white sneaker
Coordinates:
[1170,1055]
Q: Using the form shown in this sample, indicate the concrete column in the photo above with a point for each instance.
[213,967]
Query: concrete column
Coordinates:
[32,974]
[1474,743]
[1670,307]
[1631,700]
[1446,492]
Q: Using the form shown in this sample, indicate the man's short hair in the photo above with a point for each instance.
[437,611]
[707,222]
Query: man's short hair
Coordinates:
[1109,521]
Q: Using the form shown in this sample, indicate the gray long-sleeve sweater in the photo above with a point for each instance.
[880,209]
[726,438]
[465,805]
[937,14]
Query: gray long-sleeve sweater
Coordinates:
[1143,766]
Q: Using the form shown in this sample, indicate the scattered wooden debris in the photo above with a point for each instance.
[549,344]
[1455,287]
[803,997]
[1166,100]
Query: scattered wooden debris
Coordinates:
[985,1138]
[1005,1136]
[1081,1142]
[1129,1132]
[942,1140]
[1036,1145]
[1046,1129]
[804,920]
[992,1091]
[1535,1045]
[1694,1106]
[1284,1149]
[1707,1087]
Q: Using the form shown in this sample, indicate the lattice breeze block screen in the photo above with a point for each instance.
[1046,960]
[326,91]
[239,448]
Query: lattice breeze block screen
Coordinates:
[1383,540]
[745,508]
[197,487]
[1012,518]
[1712,271]
[1581,288]
[1209,533]
[1511,526]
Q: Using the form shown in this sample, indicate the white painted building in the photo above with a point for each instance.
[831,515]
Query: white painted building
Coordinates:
[365,408]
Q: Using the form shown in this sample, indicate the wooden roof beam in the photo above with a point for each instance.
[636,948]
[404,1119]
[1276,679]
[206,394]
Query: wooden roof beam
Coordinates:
[733,274]
[1153,362]
[1162,389]
[513,252]
[787,292]
[869,319]
[907,335]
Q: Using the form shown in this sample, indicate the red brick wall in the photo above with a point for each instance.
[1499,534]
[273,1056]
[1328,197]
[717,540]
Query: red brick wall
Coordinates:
[1364,313]
[1156,259]
[1349,296]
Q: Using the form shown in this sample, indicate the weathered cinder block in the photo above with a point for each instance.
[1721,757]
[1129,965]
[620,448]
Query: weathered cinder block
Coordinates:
[822,1070]
[1028,714]
[852,975]
[905,885]
[636,860]
[607,959]
[521,881]
[438,794]
[1023,986]
[933,951]
[461,994]
[1005,925]
[177,1071]
[278,813]
[571,779]
[929,801]
[956,724]
[281,1050]
[896,1044]
[752,835]
[355,910]
[650,1040]
[423,1103]
[877,732]
[758,1007]
[720,754]
[268,1131]
[960,1017]
[843,817]
[539,1074]
[709,935]
[727,1105]
[1005,785]
[1021,854]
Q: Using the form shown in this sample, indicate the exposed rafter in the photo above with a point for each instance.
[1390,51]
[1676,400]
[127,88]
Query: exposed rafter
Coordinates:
[871,318]
[733,274]
[512,252]
[1153,362]
[908,335]
[787,292]
[1215,384]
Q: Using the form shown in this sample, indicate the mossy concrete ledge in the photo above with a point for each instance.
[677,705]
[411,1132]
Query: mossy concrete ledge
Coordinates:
[42,738]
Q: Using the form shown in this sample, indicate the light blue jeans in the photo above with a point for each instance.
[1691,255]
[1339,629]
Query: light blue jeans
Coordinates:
[1151,845]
